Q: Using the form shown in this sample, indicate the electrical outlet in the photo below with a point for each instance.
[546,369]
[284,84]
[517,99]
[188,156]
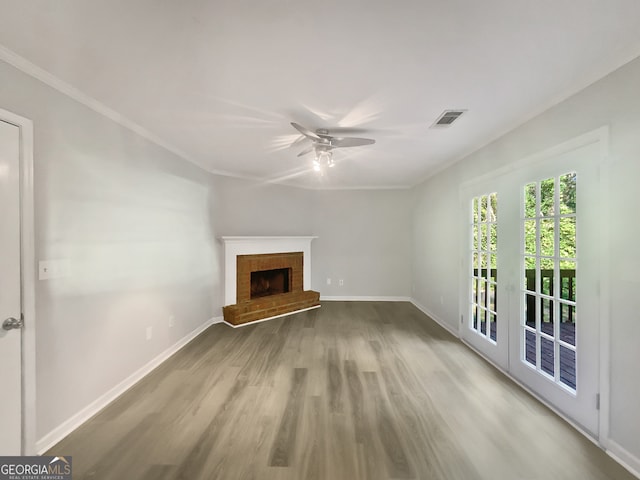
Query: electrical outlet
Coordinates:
[172,321]
[328,281]
[341,282]
[441,300]
[149,333]
[50,269]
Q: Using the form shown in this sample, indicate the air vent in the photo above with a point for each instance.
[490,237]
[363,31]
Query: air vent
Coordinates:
[447,118]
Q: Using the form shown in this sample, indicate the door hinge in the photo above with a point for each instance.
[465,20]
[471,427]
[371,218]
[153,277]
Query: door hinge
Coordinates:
[597,401]
[461,318]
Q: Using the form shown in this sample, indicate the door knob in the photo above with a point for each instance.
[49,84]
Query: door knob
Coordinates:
[11,323]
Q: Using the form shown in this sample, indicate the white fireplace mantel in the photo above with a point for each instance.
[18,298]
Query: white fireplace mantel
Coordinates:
[234,246]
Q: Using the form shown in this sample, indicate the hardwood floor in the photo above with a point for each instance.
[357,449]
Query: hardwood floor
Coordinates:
[349,391]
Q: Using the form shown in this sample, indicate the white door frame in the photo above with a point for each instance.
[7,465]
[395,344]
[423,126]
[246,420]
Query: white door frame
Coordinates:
[28,280]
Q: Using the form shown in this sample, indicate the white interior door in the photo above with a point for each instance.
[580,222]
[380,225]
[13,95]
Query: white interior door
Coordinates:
[10,295]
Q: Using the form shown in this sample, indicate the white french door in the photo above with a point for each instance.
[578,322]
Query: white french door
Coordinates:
[483,323]
[544,292]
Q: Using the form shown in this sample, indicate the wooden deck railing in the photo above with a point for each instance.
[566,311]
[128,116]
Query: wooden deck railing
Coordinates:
[567,292]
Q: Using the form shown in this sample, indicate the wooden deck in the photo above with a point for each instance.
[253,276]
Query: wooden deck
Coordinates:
[567,357]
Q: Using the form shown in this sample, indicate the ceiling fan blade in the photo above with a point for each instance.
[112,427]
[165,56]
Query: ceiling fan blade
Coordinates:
[305,131]
[342,131]
[351,142]
[305,151]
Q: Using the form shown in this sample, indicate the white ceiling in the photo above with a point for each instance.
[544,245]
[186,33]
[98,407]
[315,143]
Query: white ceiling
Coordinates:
[220,81]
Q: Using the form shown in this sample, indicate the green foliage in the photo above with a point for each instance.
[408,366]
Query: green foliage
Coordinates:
[485,230]
[547,208]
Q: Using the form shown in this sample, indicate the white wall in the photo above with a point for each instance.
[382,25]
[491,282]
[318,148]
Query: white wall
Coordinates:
[612,101]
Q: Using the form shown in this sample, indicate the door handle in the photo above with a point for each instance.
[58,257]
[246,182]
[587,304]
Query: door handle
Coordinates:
[11,323]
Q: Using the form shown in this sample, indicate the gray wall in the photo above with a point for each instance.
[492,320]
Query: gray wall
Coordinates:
[363,235]
[612,101]
[364,238]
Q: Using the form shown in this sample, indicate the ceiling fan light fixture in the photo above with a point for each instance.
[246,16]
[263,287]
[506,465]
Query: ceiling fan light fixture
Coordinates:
[322,144]
[324,158]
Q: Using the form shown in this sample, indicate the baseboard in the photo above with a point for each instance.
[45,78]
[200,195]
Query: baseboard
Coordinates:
[435,318]
[269,318]
[624,457]
[336,298]
[69,425]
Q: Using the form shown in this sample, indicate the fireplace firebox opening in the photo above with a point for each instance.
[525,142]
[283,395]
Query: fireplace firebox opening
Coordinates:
[270,282]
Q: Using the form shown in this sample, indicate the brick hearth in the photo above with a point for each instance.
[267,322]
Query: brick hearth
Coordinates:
[248,310]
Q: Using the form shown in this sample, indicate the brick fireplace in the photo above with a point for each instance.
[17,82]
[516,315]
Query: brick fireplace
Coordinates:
[265,277]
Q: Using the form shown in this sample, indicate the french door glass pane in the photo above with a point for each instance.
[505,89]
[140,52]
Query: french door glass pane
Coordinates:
[568,367]
[546,355]
[493,202]
[493,325]
[568,280]
[530,195]
[493,235]
[547,197]
[492,297]
[568,193]
[547,282]
[530,311]
[530,244]
[483,237]
[547,247]
[567,237]
[568,324]
[530,347]
[546,324]
[483,209]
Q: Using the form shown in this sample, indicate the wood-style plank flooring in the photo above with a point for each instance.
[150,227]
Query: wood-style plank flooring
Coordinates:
[358,390]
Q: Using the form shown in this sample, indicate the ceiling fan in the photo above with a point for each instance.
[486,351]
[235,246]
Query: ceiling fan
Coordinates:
[323,144]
